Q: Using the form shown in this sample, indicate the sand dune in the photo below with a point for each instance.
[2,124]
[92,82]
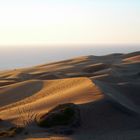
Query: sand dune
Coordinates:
[51,94]
[105,88]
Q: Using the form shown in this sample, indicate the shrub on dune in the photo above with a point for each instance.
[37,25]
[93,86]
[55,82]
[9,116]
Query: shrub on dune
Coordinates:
[62,116]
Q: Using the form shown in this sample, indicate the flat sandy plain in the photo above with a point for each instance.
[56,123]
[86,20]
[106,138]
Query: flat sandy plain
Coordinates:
[106,89]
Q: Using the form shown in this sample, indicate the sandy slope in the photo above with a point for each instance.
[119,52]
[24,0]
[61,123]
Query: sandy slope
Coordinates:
[52,93]
[106,89]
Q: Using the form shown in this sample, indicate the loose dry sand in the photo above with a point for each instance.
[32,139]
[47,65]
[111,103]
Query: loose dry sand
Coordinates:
[106,89]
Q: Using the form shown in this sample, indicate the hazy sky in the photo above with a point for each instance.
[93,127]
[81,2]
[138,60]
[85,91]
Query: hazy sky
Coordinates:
[42,22]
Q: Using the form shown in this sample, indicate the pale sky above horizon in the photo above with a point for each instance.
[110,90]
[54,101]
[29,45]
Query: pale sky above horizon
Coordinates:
[56,22]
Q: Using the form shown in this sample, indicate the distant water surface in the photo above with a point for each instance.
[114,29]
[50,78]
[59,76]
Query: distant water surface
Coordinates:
[17,57]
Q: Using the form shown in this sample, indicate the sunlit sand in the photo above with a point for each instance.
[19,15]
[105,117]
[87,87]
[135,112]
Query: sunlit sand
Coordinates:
[105,88]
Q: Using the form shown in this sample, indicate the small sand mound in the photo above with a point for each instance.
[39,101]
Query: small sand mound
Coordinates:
[133,59]
[48,77]
[6,82]
[11,132]
[95,67]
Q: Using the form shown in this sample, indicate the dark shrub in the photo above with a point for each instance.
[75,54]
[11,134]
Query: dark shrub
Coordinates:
[62,115]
